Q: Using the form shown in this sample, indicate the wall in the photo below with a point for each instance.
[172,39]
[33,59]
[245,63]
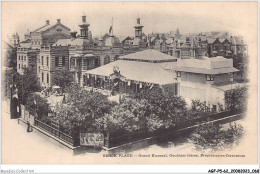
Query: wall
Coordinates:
[221,78]
[192,77]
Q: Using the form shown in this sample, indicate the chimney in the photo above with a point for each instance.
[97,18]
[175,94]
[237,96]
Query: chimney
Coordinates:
[73,34]
[47,22]
[58,21]
[138,20]
[84,19]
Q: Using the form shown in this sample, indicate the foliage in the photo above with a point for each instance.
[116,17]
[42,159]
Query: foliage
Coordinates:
[236,99]
[198,109]
[130,116]
[9,79]
[170,109]
[39,105]
[27,84]
[82,108]
[10,58]
[211,136]
[63,78]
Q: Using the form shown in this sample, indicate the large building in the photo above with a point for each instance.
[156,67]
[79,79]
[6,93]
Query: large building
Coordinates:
[134,72]
[205,79]
[198,78]
[48,34]
[26,56]
[35,45]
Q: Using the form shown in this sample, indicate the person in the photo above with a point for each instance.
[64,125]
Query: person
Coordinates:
[28,126]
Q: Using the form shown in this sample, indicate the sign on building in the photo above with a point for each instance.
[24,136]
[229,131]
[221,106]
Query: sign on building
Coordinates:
[92,139]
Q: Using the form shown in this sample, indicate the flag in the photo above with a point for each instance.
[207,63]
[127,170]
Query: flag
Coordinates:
[151,86]
[129,83]
[141,85]
[110,29]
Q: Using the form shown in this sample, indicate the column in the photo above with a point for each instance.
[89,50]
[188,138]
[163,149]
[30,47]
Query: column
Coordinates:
[178,74]
[209,82]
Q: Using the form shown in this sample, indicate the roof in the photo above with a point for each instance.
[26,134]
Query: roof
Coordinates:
[207,71]
[193,43]
[137,71]
[25,45]
[153,38]
[122,38]
[8,45]
[48,26]
[227,87]
[168,65]
[148,55]
[236,40]
[216,65]
[211,41]
[68,42]
[222,35]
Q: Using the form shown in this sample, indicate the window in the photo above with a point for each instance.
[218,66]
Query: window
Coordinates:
[19,57]
[96,62]
[24,58]
[63,60]
[19,66]
[56,61]
[47,61]
[47,78]
[42,77]
[39,69]
[42,60]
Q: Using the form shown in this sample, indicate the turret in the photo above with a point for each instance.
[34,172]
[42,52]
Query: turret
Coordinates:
[84,28]
[138,28]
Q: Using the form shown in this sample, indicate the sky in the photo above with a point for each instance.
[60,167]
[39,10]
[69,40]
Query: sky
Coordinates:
[189,17]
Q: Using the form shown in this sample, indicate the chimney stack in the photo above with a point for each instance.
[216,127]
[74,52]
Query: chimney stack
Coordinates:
[73,34]
[47,22]
[58,21]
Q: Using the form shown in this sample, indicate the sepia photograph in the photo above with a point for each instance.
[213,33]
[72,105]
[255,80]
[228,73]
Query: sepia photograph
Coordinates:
[129,83]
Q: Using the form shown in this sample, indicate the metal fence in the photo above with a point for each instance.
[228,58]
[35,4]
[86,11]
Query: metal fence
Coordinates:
[113,140]
[57,133]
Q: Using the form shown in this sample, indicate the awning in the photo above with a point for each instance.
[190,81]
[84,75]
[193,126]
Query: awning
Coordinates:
[137,71]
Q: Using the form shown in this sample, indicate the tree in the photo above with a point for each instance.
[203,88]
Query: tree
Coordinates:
[27,84]
[198,109]
[236,99]
[10,57]
[212,136]
[9,78]
[130,116]
[37,104]
[171,109]
[63,78]
[82,108]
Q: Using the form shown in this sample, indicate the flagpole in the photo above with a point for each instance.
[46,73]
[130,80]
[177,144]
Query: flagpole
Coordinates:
[112,28]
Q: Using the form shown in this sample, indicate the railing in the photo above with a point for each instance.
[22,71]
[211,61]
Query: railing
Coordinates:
[114,139]
[57,133]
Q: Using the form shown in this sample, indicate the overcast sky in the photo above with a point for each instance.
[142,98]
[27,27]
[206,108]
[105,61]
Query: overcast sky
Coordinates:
[189,17]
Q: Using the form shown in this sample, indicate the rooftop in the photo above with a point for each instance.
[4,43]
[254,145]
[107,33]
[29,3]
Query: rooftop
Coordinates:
[69,42]
[137,71]
[216,65]
[148,55]
[48,26]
